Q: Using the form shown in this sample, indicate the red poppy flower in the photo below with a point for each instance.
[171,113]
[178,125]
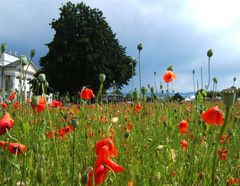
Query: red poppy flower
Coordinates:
[16,148]
[90,133]
[137,107]
[89,179]
[56,103]
[213,116]
[129,127]
[183,127]
[169,76]
[41,105]
[222,154]
[12,96]
[4,105]
[3,144]
[184,144]
[112,150]
[87,93]
[65,130]
[104,119]
[6,123]
[28,100]
[232,181]
[51,134]
[16,105]
[225,139]
[61,132]
[103,165]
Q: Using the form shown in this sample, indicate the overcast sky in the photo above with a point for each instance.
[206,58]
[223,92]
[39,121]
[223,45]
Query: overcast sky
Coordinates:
[172,32]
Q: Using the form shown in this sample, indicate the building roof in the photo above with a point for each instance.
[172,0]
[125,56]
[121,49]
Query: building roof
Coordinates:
[17,63]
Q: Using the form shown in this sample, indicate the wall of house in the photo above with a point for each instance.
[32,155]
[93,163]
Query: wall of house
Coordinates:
[11,75]
[8,58]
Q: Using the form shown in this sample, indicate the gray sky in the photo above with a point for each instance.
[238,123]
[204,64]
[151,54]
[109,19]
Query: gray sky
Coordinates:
[172,32]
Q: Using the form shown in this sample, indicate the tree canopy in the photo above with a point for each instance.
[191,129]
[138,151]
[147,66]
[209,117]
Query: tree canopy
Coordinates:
[84,46]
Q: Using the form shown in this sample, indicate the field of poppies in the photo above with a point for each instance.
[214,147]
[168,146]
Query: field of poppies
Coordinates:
[138,143]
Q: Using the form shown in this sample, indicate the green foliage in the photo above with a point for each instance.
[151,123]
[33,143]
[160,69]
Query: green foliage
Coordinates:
[83,47]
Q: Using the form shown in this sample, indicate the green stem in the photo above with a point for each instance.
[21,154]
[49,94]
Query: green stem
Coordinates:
[201,79]
[99,92]
[54,140]
[140,81]
[132,81]
[11,136]
[194,84]
[208,73]
[214,166]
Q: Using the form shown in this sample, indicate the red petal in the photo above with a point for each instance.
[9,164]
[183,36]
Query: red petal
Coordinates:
[114,166]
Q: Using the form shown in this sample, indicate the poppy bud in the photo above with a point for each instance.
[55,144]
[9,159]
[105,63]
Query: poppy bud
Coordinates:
[229,97]
[135,94]
[65,115]
[3,47]
[42,77]
[35,148]
[193,71]
[126,135]
[35,100]
[86,176]
[102,77]
[170,68]
[32,53]
[84,179]
[40,175]
[161,86]
[74,123]
[132,59]
[46,84]
[24,60]
[144,91]
[210,53]
[140,46]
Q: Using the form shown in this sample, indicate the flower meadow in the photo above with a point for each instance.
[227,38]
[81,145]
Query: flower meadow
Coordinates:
[138,143]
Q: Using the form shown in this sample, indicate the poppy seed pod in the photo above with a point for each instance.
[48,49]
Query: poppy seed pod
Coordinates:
[210,53]
[24,60]
[3,47]
[229,97]
[102,77]
[42,77]
[140,46]
[32,53]
[35,100]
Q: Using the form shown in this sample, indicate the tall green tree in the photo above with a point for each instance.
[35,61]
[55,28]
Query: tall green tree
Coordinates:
[84,46]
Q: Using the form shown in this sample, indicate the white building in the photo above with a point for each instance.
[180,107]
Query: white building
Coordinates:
[10,72]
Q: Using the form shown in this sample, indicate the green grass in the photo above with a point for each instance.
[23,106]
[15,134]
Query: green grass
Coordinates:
[50,161]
